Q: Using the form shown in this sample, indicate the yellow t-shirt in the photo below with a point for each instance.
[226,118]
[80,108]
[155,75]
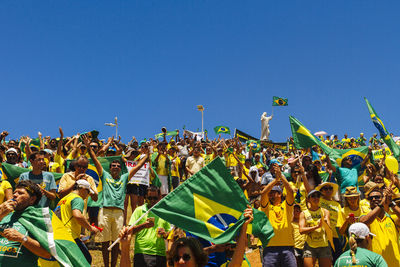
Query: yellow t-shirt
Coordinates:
[208,158]
[175,166]
[386,241]
[334,210]
[303,193]
[280,217]
[67,204]
[3,187]
[68,179]
[318,237]
[299,239]
[161,166]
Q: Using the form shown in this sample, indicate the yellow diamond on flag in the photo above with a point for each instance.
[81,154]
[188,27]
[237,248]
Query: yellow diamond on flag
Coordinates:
[207,210]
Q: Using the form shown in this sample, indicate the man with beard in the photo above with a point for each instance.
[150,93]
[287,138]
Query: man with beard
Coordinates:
[17,247]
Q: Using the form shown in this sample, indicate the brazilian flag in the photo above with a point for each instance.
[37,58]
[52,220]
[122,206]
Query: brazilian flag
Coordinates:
[169,133]
[279,101]
[210,204]
[382,131]
[253,145]
[222,129]
[303,138]
[45,227]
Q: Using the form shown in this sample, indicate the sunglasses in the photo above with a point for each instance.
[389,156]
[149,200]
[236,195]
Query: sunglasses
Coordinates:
[374,197]
[152,198]
[315,196]
[115,166]
[185,257]
[296,172]
[94,146]
[330,188]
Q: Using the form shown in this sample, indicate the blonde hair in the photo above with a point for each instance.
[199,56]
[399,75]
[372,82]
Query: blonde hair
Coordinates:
[353,247]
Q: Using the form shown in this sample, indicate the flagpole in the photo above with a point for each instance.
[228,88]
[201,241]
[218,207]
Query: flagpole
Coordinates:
[272,113]
[130,228]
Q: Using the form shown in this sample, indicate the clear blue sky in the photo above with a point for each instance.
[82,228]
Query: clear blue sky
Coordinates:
[78,64]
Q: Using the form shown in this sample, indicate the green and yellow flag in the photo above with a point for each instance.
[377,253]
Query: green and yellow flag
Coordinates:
[45,227]
[222,129]
[383,131]
[303,138]
[210,204]
[279,101]
[254,145]
[169,133]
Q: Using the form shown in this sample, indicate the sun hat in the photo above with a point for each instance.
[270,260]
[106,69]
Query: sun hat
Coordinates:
[369,187]
[351,191]
[335,187]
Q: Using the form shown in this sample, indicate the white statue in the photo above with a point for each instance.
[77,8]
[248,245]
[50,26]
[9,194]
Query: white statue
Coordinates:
[265,126]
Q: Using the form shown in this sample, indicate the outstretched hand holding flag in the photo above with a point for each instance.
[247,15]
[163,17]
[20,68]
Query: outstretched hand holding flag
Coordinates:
[210,205]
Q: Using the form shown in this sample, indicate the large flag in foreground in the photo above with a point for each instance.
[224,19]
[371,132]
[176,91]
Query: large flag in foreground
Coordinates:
[383,132]
[303,138]
[210,204]
[44,226]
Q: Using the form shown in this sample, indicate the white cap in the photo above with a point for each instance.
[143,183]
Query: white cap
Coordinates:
[12,150]
[360,230]
[84,184]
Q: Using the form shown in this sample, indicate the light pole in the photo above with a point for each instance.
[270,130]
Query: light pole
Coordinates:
[201,108]
[115,124]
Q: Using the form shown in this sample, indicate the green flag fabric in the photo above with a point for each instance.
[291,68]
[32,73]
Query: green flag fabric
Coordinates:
[11,173]
[279,101]
[222,129]
[210,204]
[303,138]
[383,131]
[45,227]
[170,133]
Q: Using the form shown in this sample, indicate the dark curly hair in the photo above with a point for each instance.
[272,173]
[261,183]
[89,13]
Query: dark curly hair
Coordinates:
[32,189]
[200,257]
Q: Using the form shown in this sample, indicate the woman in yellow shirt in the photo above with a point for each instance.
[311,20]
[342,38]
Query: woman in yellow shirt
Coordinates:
[314,222]
[328,191]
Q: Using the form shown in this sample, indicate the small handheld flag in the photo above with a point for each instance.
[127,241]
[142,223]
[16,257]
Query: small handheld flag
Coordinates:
[279,101]
[222,129]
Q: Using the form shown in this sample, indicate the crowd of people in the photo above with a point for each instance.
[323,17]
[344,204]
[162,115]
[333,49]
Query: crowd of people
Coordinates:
[347,215]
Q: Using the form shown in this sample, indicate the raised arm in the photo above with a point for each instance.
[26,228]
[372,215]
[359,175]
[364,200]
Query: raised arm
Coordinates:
[93,156]
[138,166]
[329,164]
[365,160]
[60,143]
[237,257]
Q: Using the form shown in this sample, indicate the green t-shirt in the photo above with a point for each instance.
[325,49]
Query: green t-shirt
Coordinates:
[147,241]
[13,253]
[113,193]
[364,257]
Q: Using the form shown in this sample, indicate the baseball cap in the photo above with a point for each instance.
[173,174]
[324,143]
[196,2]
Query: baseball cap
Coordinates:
[359,230]
[84,184]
